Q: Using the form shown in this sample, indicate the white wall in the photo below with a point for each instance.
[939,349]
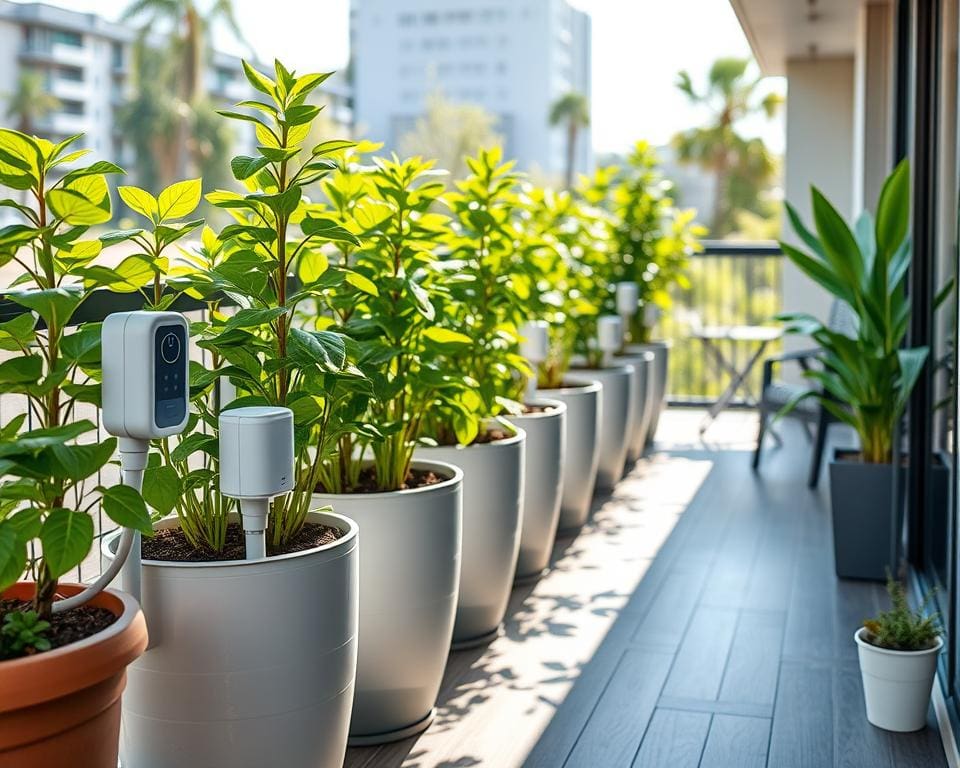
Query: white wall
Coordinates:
[820,151]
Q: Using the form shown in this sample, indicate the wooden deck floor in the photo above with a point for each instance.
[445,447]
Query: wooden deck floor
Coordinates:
[695,622]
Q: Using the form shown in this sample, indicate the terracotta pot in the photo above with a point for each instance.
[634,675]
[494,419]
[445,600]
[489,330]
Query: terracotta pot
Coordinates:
[62,707]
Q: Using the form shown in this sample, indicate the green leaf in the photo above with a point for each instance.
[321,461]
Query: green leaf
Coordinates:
[195,443]
[325,348]
[312,265]
[335,145]
[54,305]
[893,209]
[362,283]
[82,346]
[126,508]
[244,167]
[18,332]
[161,489]
[446,336]
[140,201]
[78,462]
[66,537]
[119,236]
[13,555]
[96,169]
[838,242]
[180,199]
[74,208]
[38,439]
[253,318]
[328,230]
[261,82]
[21,370]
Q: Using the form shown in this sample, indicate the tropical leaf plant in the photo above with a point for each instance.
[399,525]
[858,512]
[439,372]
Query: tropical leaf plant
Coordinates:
[866,378]
[49,458]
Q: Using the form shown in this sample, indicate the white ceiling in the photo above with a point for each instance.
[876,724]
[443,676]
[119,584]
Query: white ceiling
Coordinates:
[779,30]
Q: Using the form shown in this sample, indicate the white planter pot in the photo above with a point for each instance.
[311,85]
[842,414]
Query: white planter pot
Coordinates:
[584,400]
[616,420]
[642,393]
[492,516]
[543,484]
[409,578]
[897,684]
[661,354]
[246,656]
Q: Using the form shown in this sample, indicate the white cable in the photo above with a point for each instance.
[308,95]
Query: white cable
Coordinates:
[126,561]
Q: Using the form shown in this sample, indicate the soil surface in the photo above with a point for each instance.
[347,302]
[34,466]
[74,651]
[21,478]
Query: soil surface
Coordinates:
[576,384]
[528,409]
[67,627]
[171,544]
[416,478]
[491,435]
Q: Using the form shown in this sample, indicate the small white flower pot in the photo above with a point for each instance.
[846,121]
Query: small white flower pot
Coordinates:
[897,684]
[492,515]
[642,393]
[543,484]
[661,353]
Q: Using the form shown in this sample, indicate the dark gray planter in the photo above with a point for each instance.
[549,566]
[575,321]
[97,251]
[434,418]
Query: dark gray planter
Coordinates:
[863,517]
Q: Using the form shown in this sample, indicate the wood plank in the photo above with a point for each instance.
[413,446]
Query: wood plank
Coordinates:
[666,622]
[736,742]
[674,738]
[698,669]
[802,734]
[613,733]
[858,744]
[754,662]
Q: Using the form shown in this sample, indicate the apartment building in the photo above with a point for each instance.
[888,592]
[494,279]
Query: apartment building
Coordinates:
[512,58]
[85,63]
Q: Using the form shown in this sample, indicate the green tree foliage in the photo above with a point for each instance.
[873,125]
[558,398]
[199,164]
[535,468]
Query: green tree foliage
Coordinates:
[742,168]
[31,101]
[449,131]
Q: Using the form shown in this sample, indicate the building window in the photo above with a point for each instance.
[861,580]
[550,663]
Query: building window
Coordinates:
[71,107]
[73,39]
[73,74]
[430,18]
[116,53]
[407,19]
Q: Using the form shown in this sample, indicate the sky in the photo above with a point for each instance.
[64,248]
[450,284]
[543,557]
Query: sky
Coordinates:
[638,48]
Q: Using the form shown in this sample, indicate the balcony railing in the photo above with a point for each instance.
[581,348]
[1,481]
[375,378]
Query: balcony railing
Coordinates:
[731,284]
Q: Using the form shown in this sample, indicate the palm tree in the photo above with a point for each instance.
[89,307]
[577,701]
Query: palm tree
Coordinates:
[189,44]
[573,110]
[741,167]
[31,101]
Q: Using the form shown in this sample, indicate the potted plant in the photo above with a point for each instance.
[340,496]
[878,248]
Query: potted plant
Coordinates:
[652,242]
[479,313]
[552,297]
[62,672]
[583,236]
[898,661]
[867,375]
[189,700]
[409,511]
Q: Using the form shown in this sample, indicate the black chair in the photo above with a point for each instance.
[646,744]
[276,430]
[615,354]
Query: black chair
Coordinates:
[776,394]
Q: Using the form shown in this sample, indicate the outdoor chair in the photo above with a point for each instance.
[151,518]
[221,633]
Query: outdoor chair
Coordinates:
[776,393]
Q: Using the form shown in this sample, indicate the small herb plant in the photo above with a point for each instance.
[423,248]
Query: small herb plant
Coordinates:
[900,628]
[23,633]
[484,306]
[277,232]
[48,458]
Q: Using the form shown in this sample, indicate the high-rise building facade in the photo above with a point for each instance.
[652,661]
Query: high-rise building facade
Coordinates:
[512,57]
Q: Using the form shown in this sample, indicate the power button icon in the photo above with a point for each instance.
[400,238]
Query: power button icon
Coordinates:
[170,348]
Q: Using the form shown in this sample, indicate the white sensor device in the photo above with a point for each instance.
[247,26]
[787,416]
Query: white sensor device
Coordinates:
[628,299]
[609,336]
[256,465]
[145,395]
[535,347]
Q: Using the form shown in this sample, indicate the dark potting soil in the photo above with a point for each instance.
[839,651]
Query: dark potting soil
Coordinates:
[576,384]
[416,478]
[67,627]
[172,545]
[528,409]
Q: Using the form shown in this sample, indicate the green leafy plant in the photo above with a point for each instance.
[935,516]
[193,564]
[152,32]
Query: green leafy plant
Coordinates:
[652,240]
[900,628]
[23,634]
[47,466]
[277,232]
[401,343]
[483,306]
[866,378]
